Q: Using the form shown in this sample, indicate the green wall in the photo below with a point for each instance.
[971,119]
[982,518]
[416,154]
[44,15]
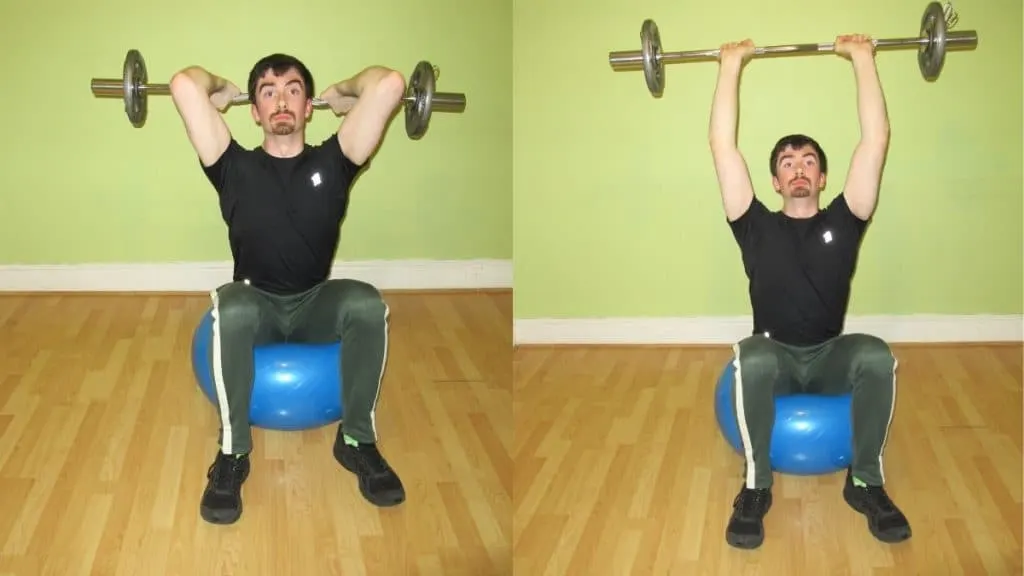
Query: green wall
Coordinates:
[617,210]
[82,185]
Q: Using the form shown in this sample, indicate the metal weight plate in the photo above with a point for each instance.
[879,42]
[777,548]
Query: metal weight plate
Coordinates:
[421,88]
[650,47]
[932,56]
[134,77]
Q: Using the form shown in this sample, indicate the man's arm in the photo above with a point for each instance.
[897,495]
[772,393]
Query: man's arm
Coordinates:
[733,174]
[191,89]
[377,91]
[864,177]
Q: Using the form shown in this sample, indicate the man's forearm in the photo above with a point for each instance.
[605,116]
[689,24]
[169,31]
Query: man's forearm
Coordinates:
[725,106]
[874,120]
[204,79]
[365,80]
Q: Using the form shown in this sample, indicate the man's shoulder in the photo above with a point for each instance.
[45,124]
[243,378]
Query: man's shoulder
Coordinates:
[838,210]
[236,150]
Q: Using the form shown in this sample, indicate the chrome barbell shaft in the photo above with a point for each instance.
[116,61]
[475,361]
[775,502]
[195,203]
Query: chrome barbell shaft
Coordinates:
[114,88]
[629,59]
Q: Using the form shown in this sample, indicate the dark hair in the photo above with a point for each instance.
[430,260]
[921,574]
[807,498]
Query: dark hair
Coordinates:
[796,141]
[279,63]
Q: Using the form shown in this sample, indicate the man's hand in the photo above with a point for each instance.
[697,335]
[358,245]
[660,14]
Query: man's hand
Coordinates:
[736,52]
[223,97]
[854,46]
[340,98]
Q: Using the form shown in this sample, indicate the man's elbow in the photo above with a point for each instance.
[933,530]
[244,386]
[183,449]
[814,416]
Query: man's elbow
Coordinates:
[721,146]
[390,88]
[181,81]
[877,136]
[187,81]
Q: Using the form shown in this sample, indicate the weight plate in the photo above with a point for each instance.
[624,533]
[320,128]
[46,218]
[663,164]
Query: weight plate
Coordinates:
[650,46]
[421,89]
[134,77]
[931,56]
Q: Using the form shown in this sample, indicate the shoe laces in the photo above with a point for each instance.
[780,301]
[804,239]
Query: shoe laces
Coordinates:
[878,499]
[226,473]
[373,460]
[750,502]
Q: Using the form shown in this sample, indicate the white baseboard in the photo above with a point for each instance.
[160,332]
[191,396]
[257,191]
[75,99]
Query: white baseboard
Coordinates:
[204,276]
[727,330]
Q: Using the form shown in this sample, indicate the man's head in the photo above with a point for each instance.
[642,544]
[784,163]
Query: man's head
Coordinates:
[798,166]
[281,91]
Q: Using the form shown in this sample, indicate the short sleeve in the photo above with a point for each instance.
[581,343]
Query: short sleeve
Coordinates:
[217,173]
[744,228]
[839,215]
[345,169]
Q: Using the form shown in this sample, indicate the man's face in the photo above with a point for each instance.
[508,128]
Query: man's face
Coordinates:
[282,106]
[798,173]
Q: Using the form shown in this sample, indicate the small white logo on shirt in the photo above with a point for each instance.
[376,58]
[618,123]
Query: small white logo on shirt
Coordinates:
[827,236]
[316,179]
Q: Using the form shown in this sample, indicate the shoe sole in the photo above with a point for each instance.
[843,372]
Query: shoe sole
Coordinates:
[219,517]
[744,542]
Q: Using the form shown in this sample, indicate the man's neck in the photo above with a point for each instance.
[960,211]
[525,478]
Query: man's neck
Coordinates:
[288,146]
[800,207]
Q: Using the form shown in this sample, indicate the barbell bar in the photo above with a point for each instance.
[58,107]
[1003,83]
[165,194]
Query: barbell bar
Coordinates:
[421,99]
[935,38]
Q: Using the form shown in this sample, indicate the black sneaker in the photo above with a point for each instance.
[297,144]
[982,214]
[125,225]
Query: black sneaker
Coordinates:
[885,521]
[378,483]
[746,525]
[222,499]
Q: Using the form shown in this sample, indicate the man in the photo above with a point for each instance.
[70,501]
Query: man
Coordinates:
[800,262]
[283,203]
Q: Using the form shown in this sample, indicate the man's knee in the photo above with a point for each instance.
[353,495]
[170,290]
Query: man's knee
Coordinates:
[360,301]
[871,355]
[757,363]
[237,308]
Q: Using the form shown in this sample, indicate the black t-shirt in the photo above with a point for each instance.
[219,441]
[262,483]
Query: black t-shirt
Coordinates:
[800,270]
[283,214]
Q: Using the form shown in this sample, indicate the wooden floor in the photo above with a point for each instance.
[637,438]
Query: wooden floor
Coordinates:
[620,470]
[616,459]
[105,441]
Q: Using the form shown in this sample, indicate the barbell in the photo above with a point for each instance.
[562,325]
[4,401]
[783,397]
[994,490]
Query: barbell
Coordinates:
[421,99]
[935,38]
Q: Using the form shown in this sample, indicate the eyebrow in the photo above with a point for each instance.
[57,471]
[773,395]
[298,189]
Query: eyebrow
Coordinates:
[265,83]
[807,155]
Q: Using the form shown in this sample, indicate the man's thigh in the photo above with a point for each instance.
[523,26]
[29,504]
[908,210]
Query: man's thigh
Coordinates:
[322,318]
[834,369]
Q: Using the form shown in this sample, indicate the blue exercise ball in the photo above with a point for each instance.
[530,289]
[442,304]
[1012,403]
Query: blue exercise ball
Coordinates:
[296,386]
[813,433]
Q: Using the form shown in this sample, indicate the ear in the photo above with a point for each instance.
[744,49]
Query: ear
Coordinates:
[822,180]
[776,184]
[309,109]
[255,113]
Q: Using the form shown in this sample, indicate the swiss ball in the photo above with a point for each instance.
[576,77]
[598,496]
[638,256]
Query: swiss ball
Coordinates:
[812,433]
[296,386]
